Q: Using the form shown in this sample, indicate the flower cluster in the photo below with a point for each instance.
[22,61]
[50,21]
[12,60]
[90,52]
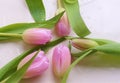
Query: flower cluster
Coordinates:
[61,54]
[61,58]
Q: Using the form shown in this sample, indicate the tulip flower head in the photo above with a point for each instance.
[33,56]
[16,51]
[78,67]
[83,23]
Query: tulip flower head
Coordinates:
[62,28]
[39,65]
[37,36]
[83,44]
[61,60]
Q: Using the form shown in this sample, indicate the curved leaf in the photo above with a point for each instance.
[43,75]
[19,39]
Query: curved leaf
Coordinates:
[20,27]
[75,18]
[113,48]
[17,76]
[37,10]
[102,41]
[11,67]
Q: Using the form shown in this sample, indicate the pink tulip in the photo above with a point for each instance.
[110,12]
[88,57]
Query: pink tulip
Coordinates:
[37,36]
[62,28]
[61,60]
[39,65]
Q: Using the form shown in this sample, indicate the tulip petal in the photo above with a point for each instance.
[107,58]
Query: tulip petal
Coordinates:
[62,28]
[38,66]
[37,36]
[61,60]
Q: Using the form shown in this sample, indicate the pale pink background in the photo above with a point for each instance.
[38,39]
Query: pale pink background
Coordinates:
[101,16]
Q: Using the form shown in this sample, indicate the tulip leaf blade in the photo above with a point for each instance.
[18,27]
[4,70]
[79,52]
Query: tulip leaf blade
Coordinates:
[11,67]
[112,48]
[37,10]
[20,27]
[17,76]
[75,18]
[102,41]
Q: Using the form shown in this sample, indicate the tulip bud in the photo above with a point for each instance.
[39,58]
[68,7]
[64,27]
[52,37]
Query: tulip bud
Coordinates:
[37,36]
[83,44]
[61,60]
[38,66]
[62,28]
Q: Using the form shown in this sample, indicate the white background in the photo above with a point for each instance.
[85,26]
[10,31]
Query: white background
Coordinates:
[103,19]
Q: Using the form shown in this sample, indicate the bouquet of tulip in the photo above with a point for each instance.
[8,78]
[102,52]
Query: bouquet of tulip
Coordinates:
[34,61]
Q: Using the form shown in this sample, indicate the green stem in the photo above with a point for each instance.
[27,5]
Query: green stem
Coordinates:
[74,63]
[59,4]
[70,38]
[10,35]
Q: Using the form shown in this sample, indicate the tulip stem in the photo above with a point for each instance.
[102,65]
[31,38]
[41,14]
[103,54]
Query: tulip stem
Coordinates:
[10,35]
[70,38]
[59,4]
[74,63]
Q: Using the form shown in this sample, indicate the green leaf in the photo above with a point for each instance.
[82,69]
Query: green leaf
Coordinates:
[102,41]
[37,10]
[11,67]
[20,27]
[113,48]
[70,1]
[17,76]
[83,55]
[75,18]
